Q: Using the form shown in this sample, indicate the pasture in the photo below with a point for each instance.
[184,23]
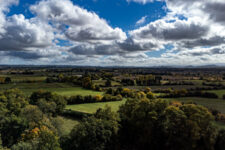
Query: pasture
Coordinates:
[63,89]
[68,124]
[92,107]
[220,93]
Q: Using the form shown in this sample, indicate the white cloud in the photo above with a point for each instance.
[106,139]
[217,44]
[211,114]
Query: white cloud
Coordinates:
[4,4]
[195,29]
[83,25]
[141,1]
[25,34]
[141,21]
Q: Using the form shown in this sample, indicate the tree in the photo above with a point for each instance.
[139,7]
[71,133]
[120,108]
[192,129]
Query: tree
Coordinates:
[150,95]
[48,102]
[94,133]
[108,83]
[7,80]
[154,124]
[86,82]
[220,140]
[61,77]
[142,124]
[12,103]
[40,139]
[189,126]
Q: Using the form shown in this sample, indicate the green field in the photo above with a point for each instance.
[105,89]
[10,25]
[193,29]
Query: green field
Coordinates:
[217,104]
[102,82]
[68,124]
[25,78]
[220,93]
[92,107]
[59,88]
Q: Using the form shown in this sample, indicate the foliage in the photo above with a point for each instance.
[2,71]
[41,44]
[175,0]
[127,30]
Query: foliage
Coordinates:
[108,83]
[220,140]
[48,102]
[94,133]
[154,124]
[185,93]
[78,99]
[12,103]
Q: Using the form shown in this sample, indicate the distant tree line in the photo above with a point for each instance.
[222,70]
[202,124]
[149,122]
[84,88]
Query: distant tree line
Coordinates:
[187,93]
[5,80]
[142,80]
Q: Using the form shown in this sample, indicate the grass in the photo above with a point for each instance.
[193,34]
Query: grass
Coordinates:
[102,82]
[220,93]
[217,104]
[59,88]
[156,87]
[68,124]
[25,78]
[92,107]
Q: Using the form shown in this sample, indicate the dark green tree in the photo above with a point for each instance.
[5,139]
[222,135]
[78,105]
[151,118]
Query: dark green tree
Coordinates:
[8,80]
[48,102]
[108,83]
[94,133]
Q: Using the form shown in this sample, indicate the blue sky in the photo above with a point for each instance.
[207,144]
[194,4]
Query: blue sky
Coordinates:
[129,13]
[112,32]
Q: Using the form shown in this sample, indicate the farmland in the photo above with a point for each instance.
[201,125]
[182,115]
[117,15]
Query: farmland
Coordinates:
[63,89]
[63,103]
[91,108]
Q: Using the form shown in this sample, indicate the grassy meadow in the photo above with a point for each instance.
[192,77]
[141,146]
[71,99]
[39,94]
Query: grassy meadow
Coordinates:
[92,107]
[220,93]
[63,89]
[68,124]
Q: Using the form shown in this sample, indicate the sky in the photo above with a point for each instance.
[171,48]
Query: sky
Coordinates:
[112,32]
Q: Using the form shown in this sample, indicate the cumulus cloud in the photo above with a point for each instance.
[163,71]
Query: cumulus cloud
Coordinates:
[215,10]
[98,49]
[132,45]
[83,25]
[24,34]
[175,30]
[194,28]
[3,9]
